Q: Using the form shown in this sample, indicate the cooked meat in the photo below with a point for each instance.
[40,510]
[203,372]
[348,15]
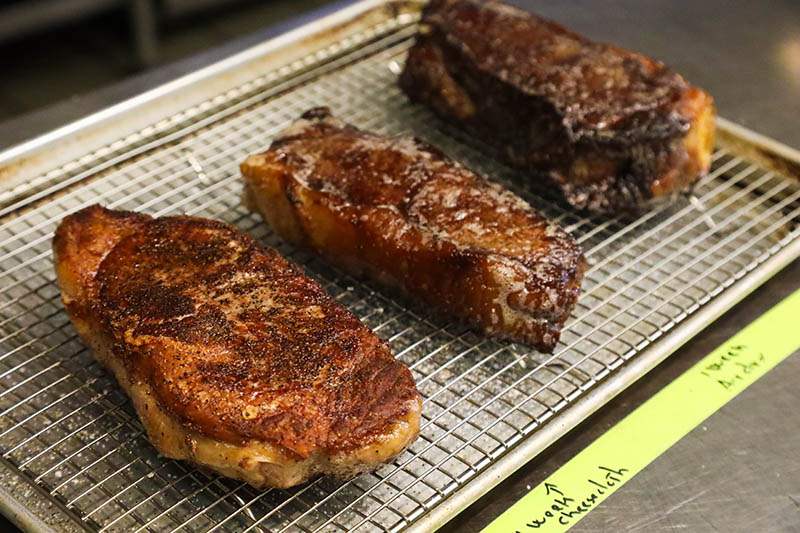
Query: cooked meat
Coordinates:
[233,358]
[611,129]
[402,212]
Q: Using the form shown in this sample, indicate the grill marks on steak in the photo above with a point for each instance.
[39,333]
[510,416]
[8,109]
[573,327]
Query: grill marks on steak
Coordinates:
[610,128]
[405,214]
[235,342]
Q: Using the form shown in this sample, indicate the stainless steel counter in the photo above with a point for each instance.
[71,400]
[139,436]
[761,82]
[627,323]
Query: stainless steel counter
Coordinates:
[740,471]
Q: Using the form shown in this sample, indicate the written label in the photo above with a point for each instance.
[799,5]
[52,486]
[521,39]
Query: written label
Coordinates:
[732,367]
[581,485]
[565,506]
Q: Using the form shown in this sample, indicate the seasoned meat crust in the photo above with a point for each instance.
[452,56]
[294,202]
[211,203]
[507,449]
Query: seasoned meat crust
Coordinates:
[402,212]
[611,129]
[234,359]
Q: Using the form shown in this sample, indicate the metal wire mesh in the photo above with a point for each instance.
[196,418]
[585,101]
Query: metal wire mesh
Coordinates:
[66,426]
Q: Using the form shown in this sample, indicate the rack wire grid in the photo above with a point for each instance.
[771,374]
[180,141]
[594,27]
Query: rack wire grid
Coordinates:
[66,427]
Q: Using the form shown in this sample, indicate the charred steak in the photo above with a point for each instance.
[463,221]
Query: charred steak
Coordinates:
[611,129]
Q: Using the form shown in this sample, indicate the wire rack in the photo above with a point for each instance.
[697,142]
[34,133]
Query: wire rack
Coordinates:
[67,428]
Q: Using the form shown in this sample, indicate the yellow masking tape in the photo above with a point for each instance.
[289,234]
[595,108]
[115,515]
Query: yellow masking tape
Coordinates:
[624,450]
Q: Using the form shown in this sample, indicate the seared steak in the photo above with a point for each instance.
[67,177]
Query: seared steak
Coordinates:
[611,129]
[402,212]
[233,358]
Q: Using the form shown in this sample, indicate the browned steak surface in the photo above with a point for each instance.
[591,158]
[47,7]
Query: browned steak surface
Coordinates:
[401,211]
[235,343]
[611,129]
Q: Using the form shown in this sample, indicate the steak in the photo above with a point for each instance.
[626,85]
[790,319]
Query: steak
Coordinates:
[234,359]
[610,129]
[402,212]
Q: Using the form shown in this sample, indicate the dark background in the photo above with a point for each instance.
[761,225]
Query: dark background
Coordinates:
[89,44]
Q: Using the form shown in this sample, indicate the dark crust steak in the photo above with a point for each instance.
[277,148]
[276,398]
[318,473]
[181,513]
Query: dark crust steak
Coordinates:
[234,359]
[402,212]
[610,129]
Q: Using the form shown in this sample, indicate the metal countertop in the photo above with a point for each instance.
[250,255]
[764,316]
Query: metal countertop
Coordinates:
[739,471]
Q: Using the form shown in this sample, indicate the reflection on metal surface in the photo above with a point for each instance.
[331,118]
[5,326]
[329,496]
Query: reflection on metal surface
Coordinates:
[789,58]
[195,164]
[395,67]
[703,211]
